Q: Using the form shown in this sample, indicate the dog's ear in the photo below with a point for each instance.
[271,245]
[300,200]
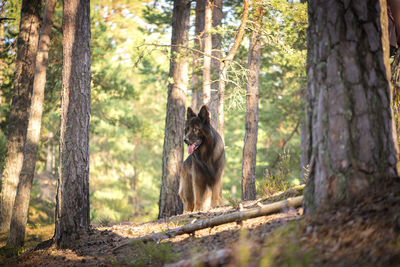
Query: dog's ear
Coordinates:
[190,113]
[204,115]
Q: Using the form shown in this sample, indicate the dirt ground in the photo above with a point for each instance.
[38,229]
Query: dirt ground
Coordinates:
[365,232]
[215,246]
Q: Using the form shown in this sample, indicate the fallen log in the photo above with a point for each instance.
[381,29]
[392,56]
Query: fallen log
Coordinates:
[237,216]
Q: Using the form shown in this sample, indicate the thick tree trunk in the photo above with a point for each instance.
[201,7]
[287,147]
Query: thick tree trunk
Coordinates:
[351,141]
[25,68]
[196,80]
[21,204]
[251,124]
[169,203]
[207,51]
[72,210]
[217,17]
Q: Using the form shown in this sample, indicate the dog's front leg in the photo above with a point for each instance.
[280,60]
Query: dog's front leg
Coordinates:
[198,191]
[186,189]
[216,199]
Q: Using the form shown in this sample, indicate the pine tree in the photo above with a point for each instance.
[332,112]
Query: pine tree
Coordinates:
[72,210]
[169,203]
[27,45]
[349,118]
[251,125]
[21,204]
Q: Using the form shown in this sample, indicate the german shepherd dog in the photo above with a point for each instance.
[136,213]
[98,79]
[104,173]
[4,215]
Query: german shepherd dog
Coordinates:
[200,185]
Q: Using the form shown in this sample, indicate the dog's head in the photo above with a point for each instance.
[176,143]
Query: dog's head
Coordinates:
[195,128]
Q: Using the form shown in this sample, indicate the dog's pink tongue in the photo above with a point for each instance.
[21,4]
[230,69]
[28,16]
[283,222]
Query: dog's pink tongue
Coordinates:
[191,148]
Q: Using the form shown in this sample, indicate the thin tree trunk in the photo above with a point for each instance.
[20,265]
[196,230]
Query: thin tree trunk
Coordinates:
[169,203]
[27,46]
[215,63]
[225,65]
[251,125]
[49,153]
[349,100]
[196,80]
[207,51]
[21,204]
[72,210]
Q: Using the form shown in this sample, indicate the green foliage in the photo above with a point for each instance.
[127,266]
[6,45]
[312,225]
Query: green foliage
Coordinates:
[128,111]
[159,14]
[277,180]
[282,82]
[104,221]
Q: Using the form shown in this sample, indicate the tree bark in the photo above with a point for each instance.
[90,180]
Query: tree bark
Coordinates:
[169,203]
[27,46]
[21,204]
[251,124]
[207,51]
[217,17]
[2,8]
[72,210]
[351,140]
[395,78]
[196,80]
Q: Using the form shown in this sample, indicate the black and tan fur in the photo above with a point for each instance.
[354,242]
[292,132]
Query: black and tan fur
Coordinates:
[201,175]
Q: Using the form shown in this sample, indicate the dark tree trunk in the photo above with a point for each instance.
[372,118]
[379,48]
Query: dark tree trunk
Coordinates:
[351,140]
[25,68]
[251,125]
[196,80]
[72,210]
[21,204]
[169,203]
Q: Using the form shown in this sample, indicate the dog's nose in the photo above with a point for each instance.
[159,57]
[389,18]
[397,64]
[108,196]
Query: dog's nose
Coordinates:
[186,140]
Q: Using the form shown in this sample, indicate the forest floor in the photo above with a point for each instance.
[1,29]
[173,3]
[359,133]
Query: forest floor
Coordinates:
[361,233]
